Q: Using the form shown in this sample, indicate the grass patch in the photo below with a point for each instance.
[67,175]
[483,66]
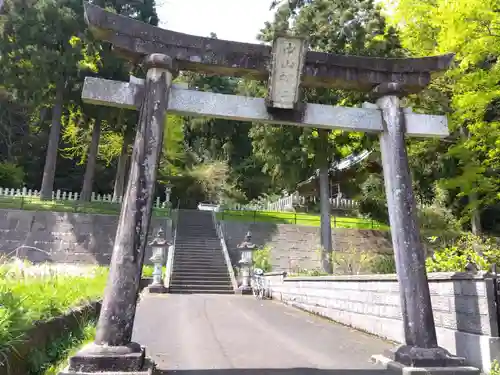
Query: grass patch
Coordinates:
[54,359]
[26,297]
[300,219]
[147,270]
[103,208]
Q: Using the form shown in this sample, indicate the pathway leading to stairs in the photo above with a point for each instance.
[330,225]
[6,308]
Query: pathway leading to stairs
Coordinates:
[230,334]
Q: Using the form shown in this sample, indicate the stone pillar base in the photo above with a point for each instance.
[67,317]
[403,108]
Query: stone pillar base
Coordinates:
[423,357]
[245,290]
[110,360]
[157,289]
[409,360]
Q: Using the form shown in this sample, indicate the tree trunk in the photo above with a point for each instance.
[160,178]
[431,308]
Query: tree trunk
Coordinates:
[49,170]
[326,228]
[475,215]
[121,170]
[88,179]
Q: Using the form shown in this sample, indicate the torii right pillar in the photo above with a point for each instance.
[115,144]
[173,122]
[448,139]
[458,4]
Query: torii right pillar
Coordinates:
[420,349]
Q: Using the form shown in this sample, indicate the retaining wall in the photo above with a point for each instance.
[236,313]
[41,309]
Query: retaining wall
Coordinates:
[64,237]
[297,246]
[464,308]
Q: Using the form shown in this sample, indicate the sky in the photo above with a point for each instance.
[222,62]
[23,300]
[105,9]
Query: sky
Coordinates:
[237,20]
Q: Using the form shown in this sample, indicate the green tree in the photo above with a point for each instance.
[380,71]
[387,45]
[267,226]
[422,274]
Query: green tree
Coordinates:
[469,92]
[40,40]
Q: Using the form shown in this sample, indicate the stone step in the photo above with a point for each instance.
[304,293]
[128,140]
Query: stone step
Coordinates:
[194,222]
[198,266]
[209,254]
[194,291]
[202,276]
[198,246]
[202,287]
[200,270]
[198,252]
[200,257]
[194,277]
[198,249]
[202,262]
[205,256]
[200,281]
[197,240]
[200,273]
[195,229]
[203,269]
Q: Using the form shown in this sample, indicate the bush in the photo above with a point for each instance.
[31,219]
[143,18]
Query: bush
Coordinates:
[304,272]
[495,368]
[383,264]
[261,259]
[483,252]
[352,261]
[11,176]
[372,201]
[434,218]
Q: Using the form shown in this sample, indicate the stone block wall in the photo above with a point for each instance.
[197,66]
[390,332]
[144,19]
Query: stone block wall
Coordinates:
[295,246]
[63,237]
[464,308]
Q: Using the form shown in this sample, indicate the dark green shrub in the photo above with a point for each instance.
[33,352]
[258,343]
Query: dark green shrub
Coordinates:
[383,264]
[11,176]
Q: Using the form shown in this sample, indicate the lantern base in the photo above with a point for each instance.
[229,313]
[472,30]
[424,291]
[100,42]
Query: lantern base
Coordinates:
[245,290]
[157,289]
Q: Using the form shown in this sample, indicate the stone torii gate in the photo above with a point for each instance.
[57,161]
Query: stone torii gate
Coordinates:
[287,66]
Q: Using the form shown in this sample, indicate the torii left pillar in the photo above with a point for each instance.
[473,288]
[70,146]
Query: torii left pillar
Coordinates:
[113,349]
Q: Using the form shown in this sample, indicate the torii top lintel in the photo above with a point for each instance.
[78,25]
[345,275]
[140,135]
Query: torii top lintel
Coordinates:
[135,39]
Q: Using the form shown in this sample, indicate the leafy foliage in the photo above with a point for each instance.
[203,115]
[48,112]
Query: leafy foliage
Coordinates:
[469,91]
[483,252]
[11,175]
[262,259]
[382,264]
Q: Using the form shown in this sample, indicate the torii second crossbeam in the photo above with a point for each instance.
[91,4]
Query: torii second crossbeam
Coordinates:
[243,108]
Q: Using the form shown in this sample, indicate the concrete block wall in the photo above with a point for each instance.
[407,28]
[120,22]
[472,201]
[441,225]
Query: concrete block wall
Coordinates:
[63,237]
[464,308]
[297,246]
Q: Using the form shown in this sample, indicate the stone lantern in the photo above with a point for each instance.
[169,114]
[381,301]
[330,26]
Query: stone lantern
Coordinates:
[158,245]
[168,191]
[246,248]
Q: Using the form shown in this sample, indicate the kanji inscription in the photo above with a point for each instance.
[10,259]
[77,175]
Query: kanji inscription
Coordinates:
[286,69]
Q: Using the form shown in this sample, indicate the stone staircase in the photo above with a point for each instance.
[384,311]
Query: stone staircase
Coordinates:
[199,265]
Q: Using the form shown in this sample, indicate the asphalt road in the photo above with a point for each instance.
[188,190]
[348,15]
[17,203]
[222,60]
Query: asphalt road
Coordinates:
[229,335]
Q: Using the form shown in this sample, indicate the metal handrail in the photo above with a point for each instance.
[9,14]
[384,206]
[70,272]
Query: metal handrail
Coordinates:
[225,251]
[170,257]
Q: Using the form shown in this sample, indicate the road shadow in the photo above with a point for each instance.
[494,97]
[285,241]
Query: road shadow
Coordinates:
[273,371]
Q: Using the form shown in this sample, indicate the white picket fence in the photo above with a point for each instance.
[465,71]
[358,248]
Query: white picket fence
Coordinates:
[343,204]
[60,195]
[287,203]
